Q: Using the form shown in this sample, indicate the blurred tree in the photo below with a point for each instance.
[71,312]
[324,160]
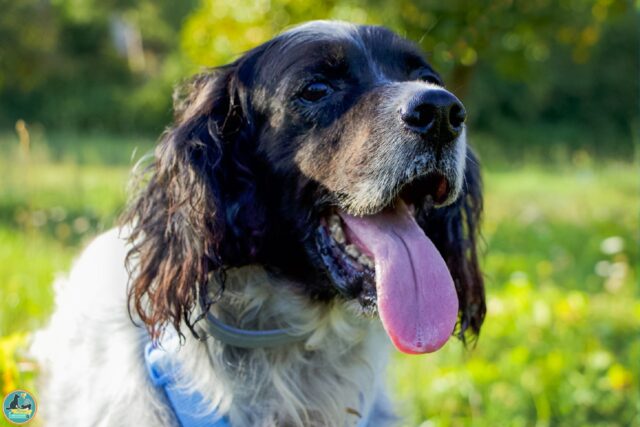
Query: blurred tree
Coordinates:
[60,62]
[28,36]
[564,104]
[111,64]
[511,35]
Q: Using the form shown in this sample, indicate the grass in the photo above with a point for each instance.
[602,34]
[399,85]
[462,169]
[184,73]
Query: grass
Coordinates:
[559,346]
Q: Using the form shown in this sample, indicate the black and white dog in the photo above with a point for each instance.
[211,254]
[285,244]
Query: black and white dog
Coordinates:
[314,202]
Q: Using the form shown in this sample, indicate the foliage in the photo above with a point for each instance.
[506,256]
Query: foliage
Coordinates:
[558,346]
[518,64]
[70,67]
[509,34]
[548,356]
[564,105]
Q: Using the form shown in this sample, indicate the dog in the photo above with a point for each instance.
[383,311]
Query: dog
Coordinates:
[313,205]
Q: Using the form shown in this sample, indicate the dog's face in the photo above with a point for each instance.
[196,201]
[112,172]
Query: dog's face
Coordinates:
[332,154]
[359,111]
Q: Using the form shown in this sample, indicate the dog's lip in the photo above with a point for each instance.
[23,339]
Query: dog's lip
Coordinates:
[428,190]
[347,241]
[348,276]
[433,187]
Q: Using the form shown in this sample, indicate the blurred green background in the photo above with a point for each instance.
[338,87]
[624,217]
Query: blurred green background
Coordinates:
[552,90]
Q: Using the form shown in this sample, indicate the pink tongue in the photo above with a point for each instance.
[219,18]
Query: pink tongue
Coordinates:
[417,300]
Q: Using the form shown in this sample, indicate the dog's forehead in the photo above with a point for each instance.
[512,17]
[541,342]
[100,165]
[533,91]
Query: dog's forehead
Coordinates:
[319,29]
[335,42]
[315,41]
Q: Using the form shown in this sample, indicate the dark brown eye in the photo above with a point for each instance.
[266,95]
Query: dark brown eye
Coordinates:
[314,92]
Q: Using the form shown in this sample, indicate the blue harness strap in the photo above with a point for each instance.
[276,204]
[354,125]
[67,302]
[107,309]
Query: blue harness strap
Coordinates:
[188,406]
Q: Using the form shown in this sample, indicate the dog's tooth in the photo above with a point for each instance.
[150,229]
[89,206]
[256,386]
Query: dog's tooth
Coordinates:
[352,250]
[366,261]
[338,235]
[335,226]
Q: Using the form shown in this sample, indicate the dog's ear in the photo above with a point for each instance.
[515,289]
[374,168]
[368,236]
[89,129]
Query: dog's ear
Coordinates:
[455,232]
[197,209]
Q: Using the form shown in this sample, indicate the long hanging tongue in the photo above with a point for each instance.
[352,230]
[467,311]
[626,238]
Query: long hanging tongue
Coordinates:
[417,300]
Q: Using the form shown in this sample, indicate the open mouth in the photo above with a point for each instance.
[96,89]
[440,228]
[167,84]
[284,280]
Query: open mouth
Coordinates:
[387,262]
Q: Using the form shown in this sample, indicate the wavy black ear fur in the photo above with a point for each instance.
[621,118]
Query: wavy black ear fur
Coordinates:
[196,209]
[455,232]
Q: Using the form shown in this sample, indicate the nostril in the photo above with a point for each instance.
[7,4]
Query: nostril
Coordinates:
[457,115]
[420,117]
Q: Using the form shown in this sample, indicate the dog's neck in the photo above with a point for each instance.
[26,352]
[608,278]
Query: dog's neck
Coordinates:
[334,376]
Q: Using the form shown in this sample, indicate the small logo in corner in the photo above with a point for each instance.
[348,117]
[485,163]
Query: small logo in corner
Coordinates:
[19,407]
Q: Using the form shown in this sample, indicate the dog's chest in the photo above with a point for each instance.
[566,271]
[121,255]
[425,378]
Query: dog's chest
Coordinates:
[333,377]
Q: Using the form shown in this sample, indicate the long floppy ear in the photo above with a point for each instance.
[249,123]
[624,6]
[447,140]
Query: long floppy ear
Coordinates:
[455,232]
[196,210]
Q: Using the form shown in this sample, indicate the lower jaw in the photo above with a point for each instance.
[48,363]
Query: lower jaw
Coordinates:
[351,284]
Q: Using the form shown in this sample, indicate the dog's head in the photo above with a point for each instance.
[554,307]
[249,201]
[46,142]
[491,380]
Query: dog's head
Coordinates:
[328,155]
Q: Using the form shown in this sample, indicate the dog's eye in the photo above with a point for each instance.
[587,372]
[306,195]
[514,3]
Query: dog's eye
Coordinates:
[428,77]
[314,92]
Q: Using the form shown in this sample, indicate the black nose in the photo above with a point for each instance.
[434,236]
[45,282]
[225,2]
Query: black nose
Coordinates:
[434,113]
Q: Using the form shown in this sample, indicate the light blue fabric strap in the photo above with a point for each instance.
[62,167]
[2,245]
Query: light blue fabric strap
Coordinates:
[364,421]
[188,407]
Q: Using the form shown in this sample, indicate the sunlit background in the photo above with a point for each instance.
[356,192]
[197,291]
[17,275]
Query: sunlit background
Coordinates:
[552,91]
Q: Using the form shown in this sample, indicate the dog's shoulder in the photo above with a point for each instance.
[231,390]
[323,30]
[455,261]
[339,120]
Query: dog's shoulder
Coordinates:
[102,262]
[92,348]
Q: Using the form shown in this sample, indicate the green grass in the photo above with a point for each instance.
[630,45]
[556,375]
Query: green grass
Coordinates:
[560,344]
